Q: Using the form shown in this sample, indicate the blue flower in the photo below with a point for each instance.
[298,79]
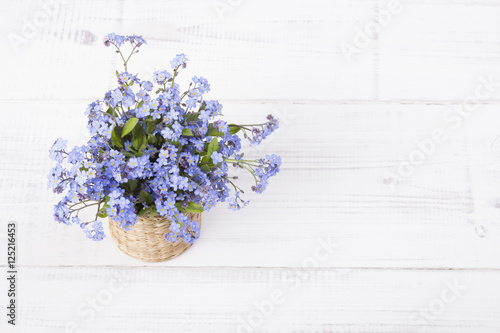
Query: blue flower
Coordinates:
[132,162]
[171,237]
[199,145]
[97,232]
[260,187]
[124,76]
[217,157]
[138,40]
[141,112]
[146,85]
[161,76]
[191,103]
[114,38]
[56,152]
[141,94]
[175,227]
[179,60]
[116,95]
[222,127]
[81,177]
[202,84]
[233,204]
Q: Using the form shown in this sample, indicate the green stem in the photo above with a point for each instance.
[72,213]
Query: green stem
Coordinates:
[123,111]
[98,209]
[78,203]
[249,162]
[255,178]
[236,188]
[114,115]
[244,126]
[244,165]
[175,74]
[130,55]
[121,55]
[199,186]
[84,206]
[232,161]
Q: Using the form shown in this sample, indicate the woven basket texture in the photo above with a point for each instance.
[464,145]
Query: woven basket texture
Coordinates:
[145,240]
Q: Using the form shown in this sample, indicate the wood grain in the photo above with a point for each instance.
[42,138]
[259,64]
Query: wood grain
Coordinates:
[398,239]
[219,299]
[333,183]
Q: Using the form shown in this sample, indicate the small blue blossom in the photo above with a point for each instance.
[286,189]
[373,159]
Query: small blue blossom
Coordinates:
[217,157]
[141,94]
[171,237]
[175,227]
[222,127]
[147,85]
[161,76]
[179,60]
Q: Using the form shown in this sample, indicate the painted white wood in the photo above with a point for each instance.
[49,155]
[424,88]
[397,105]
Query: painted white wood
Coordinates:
[333,184]
[432,51]
[398,238]
[103,299]
[436,50]
[259,50]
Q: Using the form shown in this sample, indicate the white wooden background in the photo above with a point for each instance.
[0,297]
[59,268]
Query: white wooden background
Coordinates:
[400,243]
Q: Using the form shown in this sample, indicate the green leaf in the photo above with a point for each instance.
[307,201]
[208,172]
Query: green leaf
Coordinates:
[153,211]
[110,111]
[187,132]
[212,146]
[138,138]
[129,126]
[192,116]
[142,212]
[152,139]
[204,168]
[234,129]
[193,208]
[132,184]
[136,143]
[130,83]
[149,127]
[146,197]
[116,139]
[212,131]
[102,213]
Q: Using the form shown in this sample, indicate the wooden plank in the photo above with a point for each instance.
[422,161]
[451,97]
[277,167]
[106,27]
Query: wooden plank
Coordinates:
[252,52]
[223,299]
[411,59]
[336,182]
[437,50]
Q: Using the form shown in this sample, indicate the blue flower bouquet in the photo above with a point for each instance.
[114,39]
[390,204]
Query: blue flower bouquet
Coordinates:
[156,160]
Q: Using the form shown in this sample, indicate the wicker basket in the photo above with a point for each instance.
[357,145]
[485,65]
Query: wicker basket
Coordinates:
[145,240]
